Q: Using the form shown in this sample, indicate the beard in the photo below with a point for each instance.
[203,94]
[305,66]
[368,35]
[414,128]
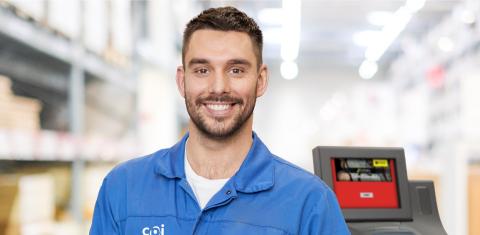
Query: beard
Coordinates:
[220,127]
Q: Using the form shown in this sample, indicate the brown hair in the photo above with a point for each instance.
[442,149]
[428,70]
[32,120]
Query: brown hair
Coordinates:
[225,19]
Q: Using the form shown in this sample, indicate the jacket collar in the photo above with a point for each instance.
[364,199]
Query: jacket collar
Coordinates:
[255,174]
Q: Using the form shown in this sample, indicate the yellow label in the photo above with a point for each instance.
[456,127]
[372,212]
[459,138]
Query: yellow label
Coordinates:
[380,163]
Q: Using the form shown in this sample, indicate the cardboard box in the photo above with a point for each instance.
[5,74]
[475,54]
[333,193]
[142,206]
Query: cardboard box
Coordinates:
[92,182]
[5,87]
[474,200]
[36,198]
[27,203]
[63,16]
[8,193]
[33,9]
[17,112]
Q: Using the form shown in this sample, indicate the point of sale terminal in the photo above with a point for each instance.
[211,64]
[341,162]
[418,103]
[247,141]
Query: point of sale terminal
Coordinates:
[374,192]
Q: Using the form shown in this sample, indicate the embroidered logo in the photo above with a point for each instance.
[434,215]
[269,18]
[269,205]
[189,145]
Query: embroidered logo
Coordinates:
[155,230]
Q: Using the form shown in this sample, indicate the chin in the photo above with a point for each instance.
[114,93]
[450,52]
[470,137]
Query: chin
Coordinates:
[219,134]
[220,130]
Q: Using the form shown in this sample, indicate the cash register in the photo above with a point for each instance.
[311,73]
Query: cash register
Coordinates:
[374,192]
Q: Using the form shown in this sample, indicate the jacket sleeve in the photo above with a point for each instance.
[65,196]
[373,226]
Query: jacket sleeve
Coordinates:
[324,217]
[103,217]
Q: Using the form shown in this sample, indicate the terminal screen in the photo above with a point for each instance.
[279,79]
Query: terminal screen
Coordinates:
[365,182]
[374,170]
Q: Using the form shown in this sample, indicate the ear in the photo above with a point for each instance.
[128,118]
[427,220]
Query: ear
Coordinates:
[180,78]
[262,80]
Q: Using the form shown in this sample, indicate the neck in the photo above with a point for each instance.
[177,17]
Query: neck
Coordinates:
[218,159]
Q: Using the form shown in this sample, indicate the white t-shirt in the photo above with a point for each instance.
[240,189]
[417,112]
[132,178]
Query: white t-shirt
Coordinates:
[203,188]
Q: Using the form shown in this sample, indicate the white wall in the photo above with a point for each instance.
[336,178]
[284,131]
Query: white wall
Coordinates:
[324,106]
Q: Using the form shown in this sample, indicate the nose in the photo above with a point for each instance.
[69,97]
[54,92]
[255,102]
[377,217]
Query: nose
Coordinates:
[220,83]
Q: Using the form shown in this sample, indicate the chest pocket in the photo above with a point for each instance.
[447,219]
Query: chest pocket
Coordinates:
[237,228]
[157,225]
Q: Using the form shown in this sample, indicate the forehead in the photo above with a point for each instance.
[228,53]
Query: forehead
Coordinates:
[220,45]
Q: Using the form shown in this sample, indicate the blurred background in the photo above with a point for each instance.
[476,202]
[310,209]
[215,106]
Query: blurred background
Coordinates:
[86,84]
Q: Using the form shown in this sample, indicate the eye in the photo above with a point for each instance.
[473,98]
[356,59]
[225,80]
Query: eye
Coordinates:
[236,71]
[201,71]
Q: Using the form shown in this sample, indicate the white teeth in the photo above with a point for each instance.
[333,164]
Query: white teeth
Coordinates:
[218,107]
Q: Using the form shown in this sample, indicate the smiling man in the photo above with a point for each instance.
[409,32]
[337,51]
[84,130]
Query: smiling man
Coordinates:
[220,178]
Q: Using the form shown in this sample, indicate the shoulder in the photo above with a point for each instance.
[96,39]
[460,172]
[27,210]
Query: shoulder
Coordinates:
[317,205]
[125,176]
[287,172]
[134,168]
[307,187]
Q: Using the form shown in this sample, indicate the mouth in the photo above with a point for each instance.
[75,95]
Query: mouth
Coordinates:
[219,109]
[219,106]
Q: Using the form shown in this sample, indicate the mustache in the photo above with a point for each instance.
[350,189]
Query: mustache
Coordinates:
[219,98]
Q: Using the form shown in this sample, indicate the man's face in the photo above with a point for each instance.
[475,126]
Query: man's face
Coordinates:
[220,81]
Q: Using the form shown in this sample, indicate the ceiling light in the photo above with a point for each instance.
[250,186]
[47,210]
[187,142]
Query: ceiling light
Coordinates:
[415,5]
[289,70]
[290,47]
[379,18]
[291,29]
[368,69]
[365,38]
[389,33]
[272,35]
[445,44]
[467,17]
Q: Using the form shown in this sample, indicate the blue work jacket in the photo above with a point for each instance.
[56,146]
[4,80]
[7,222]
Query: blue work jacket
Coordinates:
[267,196]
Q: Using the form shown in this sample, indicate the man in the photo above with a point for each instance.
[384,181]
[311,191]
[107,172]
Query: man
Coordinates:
[220,178]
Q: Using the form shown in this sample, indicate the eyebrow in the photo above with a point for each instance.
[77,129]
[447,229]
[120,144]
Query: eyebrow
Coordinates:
[239,62]
[197,61]
[194,61]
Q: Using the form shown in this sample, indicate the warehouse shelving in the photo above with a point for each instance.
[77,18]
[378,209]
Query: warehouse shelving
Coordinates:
[61,146]
[446,85]
[44,62]
[41,57]
[59,47]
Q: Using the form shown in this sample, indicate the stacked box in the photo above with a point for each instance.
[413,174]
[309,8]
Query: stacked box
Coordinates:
[26,9]
[17,112]
[5,85]
[8,192]
[28,204]
[473,202]
[91,184]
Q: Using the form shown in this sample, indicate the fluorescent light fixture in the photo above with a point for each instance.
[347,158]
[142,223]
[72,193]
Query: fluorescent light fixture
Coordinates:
[291,9]
[365,38]
[445,44]
[415,5]
[291,29]
[467,16]
[290,47]
[289,70]
[368,69]
[379,18]
[389,33]
[271,16]
[273,35]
